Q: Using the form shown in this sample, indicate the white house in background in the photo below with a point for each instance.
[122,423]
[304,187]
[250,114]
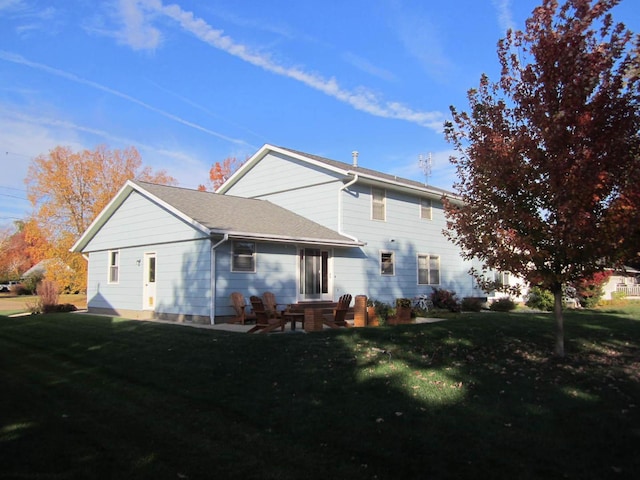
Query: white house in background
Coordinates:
[624,281]
[304,227]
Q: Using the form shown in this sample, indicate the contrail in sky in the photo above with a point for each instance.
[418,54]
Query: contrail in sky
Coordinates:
[18,59]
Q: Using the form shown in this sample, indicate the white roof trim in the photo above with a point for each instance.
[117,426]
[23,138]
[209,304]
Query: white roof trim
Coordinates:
[266,148]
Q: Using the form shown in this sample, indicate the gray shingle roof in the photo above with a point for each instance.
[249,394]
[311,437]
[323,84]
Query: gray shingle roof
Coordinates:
[244,217]
[385,177]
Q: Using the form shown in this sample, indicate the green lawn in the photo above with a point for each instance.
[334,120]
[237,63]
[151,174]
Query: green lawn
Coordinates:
[477,396]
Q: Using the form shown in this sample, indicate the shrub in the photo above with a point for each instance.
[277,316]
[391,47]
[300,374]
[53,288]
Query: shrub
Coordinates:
[19,289]
[403,302]
[383,310]
[471,304]
[445,299]
[30,283]
[540,299]
[590,290]
[504,304]
[48,295]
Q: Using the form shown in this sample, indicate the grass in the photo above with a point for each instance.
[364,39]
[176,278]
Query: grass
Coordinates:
[11,304]
[476,396]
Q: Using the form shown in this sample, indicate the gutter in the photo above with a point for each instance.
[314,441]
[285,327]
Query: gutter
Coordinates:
[340,215]
[212,304]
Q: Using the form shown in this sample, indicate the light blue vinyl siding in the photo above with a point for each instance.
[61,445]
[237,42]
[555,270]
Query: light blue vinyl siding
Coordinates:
[183,265]
[139,221]
[275,271]
[315,193]
[301,188]
[407,235]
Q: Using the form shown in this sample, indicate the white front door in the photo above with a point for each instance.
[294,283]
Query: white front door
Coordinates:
[149,290]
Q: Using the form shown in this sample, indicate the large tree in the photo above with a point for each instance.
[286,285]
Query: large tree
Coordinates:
[69,189]
[549,157]
[220,172]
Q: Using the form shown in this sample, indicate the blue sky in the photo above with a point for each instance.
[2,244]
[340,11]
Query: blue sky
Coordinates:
[190,83]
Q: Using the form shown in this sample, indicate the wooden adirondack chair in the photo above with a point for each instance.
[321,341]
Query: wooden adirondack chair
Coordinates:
[265,322]
[269,300]
[337,319]
[242,311]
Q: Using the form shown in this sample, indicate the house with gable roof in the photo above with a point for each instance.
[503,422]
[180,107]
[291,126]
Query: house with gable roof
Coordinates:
[302,226]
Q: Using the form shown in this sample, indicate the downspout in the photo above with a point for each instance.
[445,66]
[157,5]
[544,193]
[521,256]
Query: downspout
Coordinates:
[340,214]
[212,305]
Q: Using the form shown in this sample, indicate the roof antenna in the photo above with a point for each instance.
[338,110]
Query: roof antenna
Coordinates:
[425,166]
[354,155]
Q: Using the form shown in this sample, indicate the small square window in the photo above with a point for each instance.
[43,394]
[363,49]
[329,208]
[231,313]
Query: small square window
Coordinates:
[387,263]
[243,257]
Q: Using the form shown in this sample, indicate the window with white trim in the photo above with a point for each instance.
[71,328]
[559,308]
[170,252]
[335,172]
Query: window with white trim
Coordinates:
[426,209]
[501,278]
[387,263]
[114,265]
[243,258]
[428,269]
[378,204]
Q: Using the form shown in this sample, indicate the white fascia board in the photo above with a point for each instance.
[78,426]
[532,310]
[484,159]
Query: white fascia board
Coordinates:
[285,239]
[103,216]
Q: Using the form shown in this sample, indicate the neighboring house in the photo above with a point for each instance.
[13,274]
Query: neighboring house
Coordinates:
[304,227]
[40,268]
[624,281]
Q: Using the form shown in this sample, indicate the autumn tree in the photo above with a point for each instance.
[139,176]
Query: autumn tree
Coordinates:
[549,165]
[69,189]
[221,171]
[14,254]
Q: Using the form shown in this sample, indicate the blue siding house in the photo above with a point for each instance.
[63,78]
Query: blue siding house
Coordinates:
[304,227]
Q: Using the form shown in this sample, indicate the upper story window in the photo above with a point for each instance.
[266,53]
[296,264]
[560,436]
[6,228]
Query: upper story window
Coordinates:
[426,209]
[378,204]
[114,265]
[428,269]
[387,263]
[243,257]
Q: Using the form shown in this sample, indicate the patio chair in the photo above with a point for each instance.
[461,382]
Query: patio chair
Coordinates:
[337,319]
[270,304]
[265,322]
[243,314]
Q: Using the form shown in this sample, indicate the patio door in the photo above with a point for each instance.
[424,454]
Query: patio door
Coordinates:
[149,286]
[314,281]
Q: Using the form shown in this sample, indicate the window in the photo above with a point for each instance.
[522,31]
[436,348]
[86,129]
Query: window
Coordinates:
[501,278]
[428,269]
[378,202]
[387,263]
[243,257]
[426,212]
[114,264]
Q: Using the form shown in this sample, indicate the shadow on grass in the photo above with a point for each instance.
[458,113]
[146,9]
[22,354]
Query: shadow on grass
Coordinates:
[95,397]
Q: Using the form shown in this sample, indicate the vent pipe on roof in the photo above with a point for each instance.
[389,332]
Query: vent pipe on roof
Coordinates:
[354,155]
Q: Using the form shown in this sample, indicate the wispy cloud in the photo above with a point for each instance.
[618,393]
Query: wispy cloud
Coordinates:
[18,59]
[138,33]
[27,17]
[505,17]
[65,125]
[366,66]
[422,39]
[361,99]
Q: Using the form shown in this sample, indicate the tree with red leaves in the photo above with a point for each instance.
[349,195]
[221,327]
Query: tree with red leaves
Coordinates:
[549,164]
[221,171]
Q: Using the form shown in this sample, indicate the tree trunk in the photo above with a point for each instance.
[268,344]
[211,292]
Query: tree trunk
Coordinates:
[557,311]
